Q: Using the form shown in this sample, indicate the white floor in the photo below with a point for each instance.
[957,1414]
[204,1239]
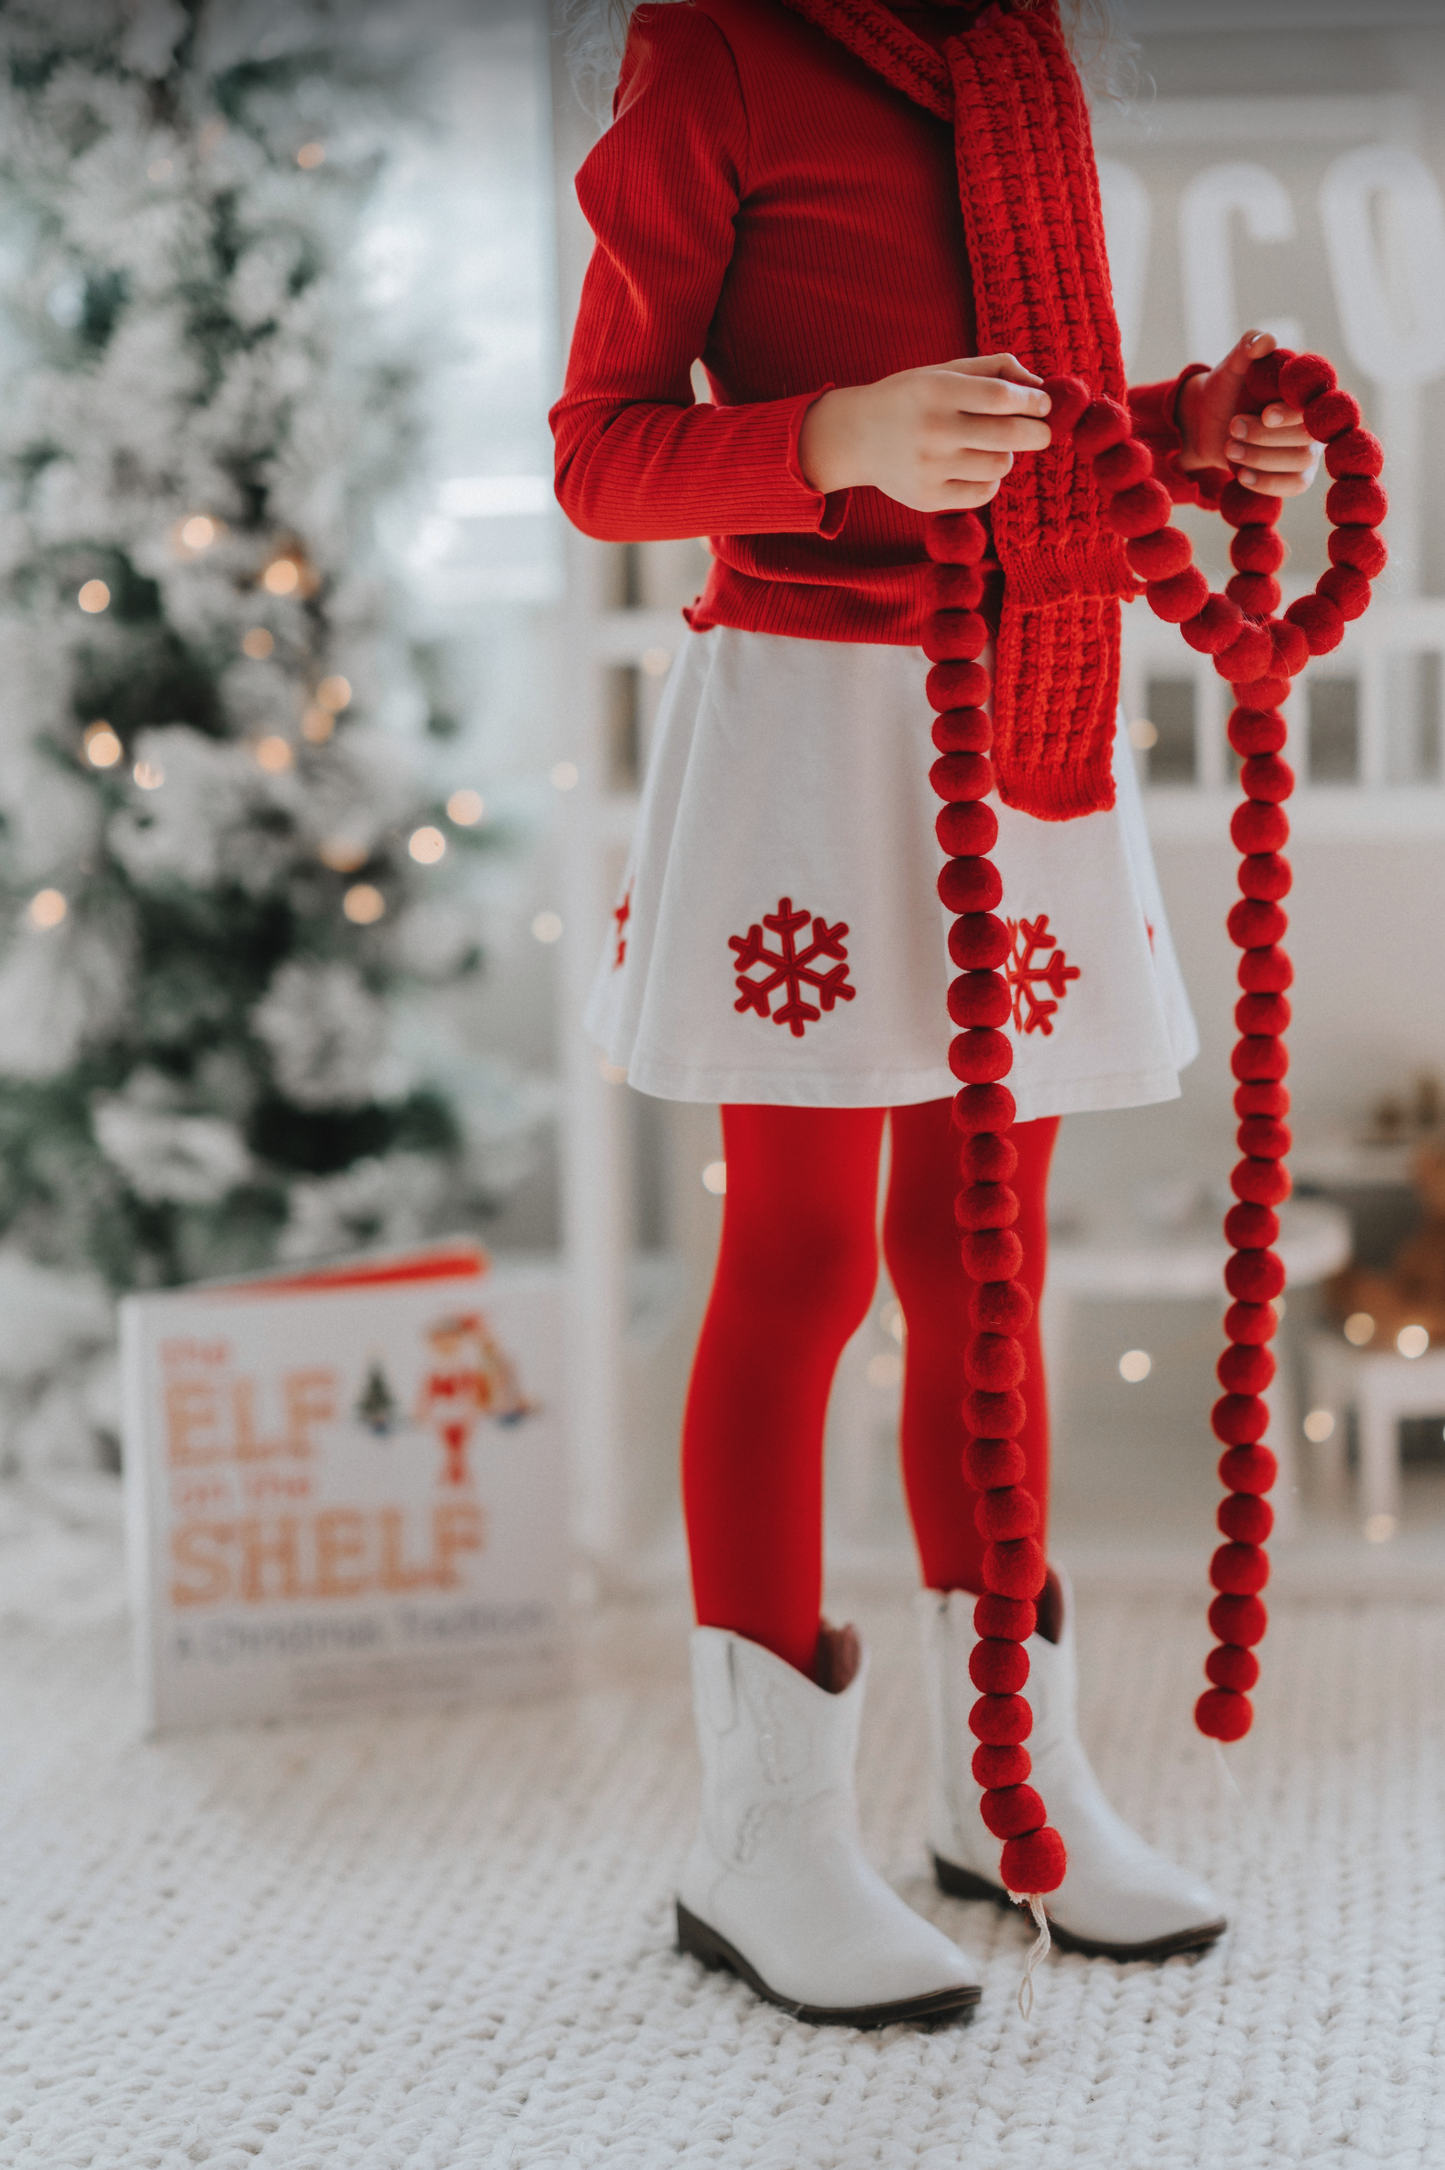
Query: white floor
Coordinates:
[444,1941]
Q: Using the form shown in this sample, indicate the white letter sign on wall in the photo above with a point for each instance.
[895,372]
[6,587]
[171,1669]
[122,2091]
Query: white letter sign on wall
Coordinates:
[1387,261]
[1128,214]
[1211,312]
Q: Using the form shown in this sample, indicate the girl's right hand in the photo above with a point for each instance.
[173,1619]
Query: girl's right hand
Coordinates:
[938,440]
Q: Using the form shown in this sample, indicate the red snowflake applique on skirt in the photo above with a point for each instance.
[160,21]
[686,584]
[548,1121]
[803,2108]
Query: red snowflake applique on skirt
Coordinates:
[621,914]
[791,968]
[1030,939]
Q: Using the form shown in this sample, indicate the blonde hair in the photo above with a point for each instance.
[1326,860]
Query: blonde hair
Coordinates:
[1106,56]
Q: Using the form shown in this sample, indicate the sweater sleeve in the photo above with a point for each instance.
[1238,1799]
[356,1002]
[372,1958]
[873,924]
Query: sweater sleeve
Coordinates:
[1153,407]
[636,459]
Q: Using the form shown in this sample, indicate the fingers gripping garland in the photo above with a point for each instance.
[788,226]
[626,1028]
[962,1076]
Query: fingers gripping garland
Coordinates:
[1258,653]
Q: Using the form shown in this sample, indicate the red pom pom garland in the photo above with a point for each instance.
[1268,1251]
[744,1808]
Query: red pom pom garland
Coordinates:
[1258,652]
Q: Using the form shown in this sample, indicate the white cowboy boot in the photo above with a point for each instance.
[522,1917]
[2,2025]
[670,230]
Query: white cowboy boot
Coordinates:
[1120,1899]
[777,1885]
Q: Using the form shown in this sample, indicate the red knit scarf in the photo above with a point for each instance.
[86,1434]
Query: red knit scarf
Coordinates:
[1030,200]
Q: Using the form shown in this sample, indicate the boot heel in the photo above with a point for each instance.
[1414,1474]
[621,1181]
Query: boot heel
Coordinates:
[963,1884]
[695,1938]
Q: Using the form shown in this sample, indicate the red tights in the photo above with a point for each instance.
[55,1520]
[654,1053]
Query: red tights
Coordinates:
[796,1273]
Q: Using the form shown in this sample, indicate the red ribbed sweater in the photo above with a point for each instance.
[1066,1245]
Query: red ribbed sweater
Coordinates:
[766,202]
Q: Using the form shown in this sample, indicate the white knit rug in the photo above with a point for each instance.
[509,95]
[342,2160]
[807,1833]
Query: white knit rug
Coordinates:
[444,1941]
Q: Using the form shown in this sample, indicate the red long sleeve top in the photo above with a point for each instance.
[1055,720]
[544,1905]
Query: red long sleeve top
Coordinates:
[766,203]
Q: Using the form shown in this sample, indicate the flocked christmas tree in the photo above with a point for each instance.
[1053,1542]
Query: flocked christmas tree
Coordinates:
[219,866]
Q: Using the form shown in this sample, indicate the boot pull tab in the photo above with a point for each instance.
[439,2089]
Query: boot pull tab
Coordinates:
[1033,1901]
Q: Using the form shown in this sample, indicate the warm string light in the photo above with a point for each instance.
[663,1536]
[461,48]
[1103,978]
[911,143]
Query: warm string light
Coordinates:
[102,747]
[94,597]
[46,909]
[466,808]
[257,643]
[363,904]
[310,156]
[426,845]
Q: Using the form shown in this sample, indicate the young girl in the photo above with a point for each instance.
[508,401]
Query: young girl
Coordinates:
[809,195]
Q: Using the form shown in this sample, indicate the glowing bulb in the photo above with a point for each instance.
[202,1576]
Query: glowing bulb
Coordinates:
[363,904]
[274,754]
[715,1178]
[1143,734]
[149,775]
[317,726]
[281,577]
[564,776]
[1134,1365]
[426,846]
[1319,1426]
[159,169]
[257,644]
[342,854]
[884,1370]
[466,808]
[334,693]
[1380,1528]
[1412,1341]
[46,909]
[656,662]
[199,532]
[94,597]
[310,156]
[1359,1328]
[547,927]
[102,748]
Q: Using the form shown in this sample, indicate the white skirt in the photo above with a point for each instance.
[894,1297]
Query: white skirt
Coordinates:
[778,934]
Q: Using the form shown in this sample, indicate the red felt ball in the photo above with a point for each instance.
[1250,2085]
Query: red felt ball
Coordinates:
[1291,650]
[1261,1137]
[1247,508]
[1265,874]
[1245,1370]
[1257,549]
[1253,924]
[967,828]
[1258,826]
[1231,1667]
[1255,1277]
[989,1463]
[952,587]
[1142,510]
[992,1254]
[1347,589]
[1256,1013]
[1160,555]
[1182,596]
[1000,1307]
[1013,1619]
[970,885]
[1265,972]
[979,998]
[1260,1183]
[1247,1468]
[994,1416]
[1251,1228]
[1216,626]
[1304,378]
[979,942]
[1068,397]
[961,776]
[983,1107]
[1238,1620]
[1321,622]
[952,633]
[1261,379]
[956,538]
[987,1158]
[998,1668]
[957,685]
[1221,1715]
[1257,730]
[1037,1863]
[1267,692]
[1265,776]
[1123,465]
[1240,1419]
[965,730]
[1356,500]
[1012,1811]
[1016,1569]
[1250,1323]
[994,1362]
[1001,1766]
[1002,1721]
[1244,1517]
[1256,594]
[986,1205]
[979,1056]
[1246,657]
[1331,415]
[1360,547]
[1239,1570]
[1357,452]
[1103,423]
[1001,1516]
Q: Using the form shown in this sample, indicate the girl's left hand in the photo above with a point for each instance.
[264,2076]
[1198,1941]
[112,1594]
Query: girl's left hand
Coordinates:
[1272,452]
